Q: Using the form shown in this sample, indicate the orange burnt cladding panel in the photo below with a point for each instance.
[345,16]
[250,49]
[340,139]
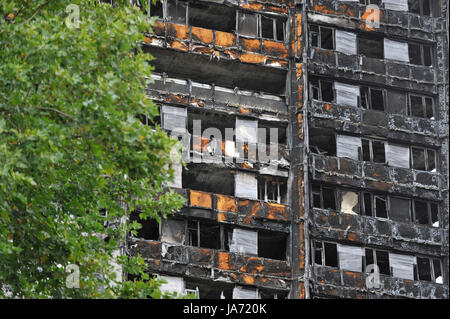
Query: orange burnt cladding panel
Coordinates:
[224,261]
[202,35]
[276,211]
[252,45]
[200,199]
[226,203]
[158,28]
[253,58]
[180,31]
[177,45]
[275,48]
[225,39]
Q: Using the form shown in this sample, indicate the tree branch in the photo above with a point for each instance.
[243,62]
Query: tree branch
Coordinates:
[38,9]
[57,111]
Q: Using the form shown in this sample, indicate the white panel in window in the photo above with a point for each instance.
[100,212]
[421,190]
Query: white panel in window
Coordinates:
[398,156]
[350,257]
[345,42]
[347,146]
[398,5]
[245,185]
[402,266]
[395,50]
[244,242]
[346,94]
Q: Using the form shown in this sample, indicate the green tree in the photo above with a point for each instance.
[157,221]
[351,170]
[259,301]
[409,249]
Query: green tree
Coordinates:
[72,147]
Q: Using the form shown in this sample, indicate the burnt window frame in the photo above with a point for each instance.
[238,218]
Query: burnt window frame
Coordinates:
[373,201]
[322,249]
[425,152]
[321,196]
[165,11]
[319,87]
[410,209]
[281,183]
[319,36]
[375,259]
[432,269]
[429,212]
[422,54]
[424,106]
[371,153]
[259,34]
[369,98]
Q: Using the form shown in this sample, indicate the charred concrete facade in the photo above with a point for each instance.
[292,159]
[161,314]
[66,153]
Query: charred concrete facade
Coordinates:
[361,174]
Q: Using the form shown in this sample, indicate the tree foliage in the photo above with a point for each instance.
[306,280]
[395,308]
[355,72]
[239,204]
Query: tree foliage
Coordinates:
[72,147]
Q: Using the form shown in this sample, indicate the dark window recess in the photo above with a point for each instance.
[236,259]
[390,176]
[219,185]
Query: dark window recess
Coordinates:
[208,180]
[420,54]
[176,11]
[424,269]
[380,206]
[424,159]
[149,227]
[322,141]
[272,245]
[437,270]
[272,28]
[210,290]
[331,258]
[322,37]
[421,106]
[371,47]
[156,9]
[203,235]
[323,197]
[373,151]
[426,213]
[375,205]
[382,258]
[421,7]
[322,90]
[318,252]
[210,16]
[371,98]
[399,209]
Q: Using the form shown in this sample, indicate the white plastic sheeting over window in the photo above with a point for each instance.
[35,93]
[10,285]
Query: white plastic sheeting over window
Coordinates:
[347,146]
[398,5]
[246,130]
[350,258]
[245,185]
[173,117]
[346,94]
[244,293]
[244,242]
[397,156]
[174,284]
[248,24]
[395,50]
[402,266]
[173,231]
[345,42]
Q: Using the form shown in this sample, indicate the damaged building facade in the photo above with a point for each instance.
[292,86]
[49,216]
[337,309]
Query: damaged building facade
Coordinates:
[315,137]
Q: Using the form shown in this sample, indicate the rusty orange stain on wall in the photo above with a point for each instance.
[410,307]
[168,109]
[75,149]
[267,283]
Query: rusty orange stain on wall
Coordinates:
[243,110]
[158,28]
[277,9]
[299,25]
[299,69]
[252,58]
[276,211]
[224,39]
[252,6]
[250,280]
[300,125]
[302,247]
[221,217]
[203,35]
[200,199]
[301,286]
[226,203]
[225,261]
[181,30]
[327,106]
[252,45]
[275,48]
[177,45]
